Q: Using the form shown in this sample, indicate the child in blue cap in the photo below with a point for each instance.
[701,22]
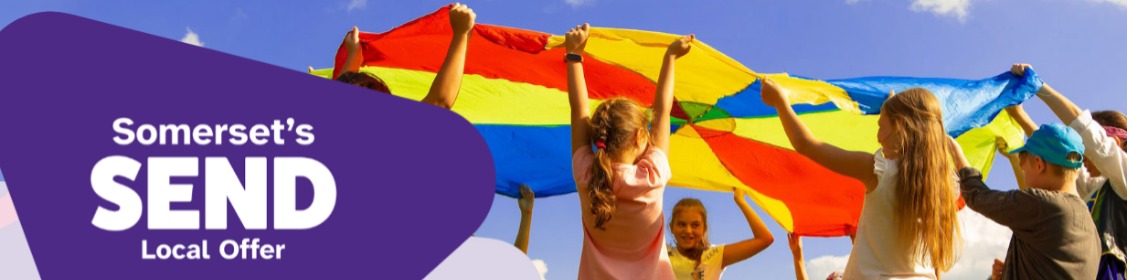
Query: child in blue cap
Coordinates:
[1103,180]
[1053,236]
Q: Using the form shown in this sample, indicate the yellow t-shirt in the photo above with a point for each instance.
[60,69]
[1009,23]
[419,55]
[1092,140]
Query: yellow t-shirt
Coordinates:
[710,268]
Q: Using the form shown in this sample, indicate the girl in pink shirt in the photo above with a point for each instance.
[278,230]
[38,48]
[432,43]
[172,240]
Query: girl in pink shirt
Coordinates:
[622,180]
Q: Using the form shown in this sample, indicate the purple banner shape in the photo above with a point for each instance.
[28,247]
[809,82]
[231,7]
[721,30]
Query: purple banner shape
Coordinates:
[412,181]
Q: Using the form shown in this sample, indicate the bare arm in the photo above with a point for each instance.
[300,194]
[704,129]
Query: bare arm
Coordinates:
[576,41]
[761,237]
[1023,120]
[1061,106]
[526,200]
[799,262]
[956,151]
[857,165]
[448,81]
[663,98]
[1015,163]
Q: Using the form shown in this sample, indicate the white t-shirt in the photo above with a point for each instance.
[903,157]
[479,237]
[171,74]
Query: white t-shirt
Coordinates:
[710,268]
[875,253]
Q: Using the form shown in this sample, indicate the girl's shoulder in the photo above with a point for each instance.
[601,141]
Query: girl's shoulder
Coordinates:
[882,165]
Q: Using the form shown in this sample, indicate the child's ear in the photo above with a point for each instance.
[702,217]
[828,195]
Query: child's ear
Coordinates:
[641,136]
[1040,165]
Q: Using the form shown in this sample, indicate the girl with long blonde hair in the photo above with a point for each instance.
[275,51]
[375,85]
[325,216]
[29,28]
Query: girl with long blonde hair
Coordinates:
[908,227]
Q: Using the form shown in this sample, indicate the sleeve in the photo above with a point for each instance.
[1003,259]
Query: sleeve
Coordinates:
[714,257]
[880,164]
[1102,152]
[581,163]
[655,163]
[1016,209]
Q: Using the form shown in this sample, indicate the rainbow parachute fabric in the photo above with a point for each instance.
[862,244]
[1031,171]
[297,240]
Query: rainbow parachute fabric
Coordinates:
[515,92]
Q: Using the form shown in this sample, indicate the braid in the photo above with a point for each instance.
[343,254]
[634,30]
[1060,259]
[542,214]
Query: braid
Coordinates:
[603,202]
[613,127]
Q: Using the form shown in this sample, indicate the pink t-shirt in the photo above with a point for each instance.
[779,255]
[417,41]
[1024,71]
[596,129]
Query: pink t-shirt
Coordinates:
[632,246]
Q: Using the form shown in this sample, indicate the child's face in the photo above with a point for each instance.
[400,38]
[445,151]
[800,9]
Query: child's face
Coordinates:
[885,136]
[688,227]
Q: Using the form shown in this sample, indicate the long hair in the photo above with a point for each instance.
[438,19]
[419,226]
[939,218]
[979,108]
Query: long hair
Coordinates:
[695,252]
[925,206]
[614,124]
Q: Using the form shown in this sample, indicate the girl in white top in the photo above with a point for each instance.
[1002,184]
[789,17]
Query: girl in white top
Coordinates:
[908,227]
[693,257]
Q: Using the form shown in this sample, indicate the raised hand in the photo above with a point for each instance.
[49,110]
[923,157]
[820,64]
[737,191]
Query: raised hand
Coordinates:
[773,95]
[462,18]
[681,46]
[1018,69]
[576,38]
[527,197]
[352,40]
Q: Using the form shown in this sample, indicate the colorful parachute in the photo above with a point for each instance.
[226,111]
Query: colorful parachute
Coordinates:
[515,92]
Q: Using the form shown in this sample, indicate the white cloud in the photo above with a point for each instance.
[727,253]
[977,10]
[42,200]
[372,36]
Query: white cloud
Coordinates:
[577,3]
[851,2]
[541,267]
[820,267]
[192,38]
[356,5]
[1120,3]
[983,241]
[952,8]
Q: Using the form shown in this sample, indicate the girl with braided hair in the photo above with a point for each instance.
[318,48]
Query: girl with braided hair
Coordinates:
[621,179]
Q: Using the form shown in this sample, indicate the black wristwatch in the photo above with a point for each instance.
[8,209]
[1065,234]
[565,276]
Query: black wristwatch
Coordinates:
[573,57]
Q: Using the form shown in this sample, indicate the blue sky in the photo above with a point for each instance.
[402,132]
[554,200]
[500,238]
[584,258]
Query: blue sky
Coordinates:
[1078,46]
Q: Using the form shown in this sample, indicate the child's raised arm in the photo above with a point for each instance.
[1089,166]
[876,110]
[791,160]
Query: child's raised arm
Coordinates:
[448,81]
[355,55]
[663,98]
[575,42]
[1019,115]
[527,197]
[796,251]
[761,237]
[956,150]
[858,165]
[1015,163]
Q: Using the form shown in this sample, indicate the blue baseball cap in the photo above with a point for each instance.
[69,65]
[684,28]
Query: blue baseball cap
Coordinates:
[1053,142]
